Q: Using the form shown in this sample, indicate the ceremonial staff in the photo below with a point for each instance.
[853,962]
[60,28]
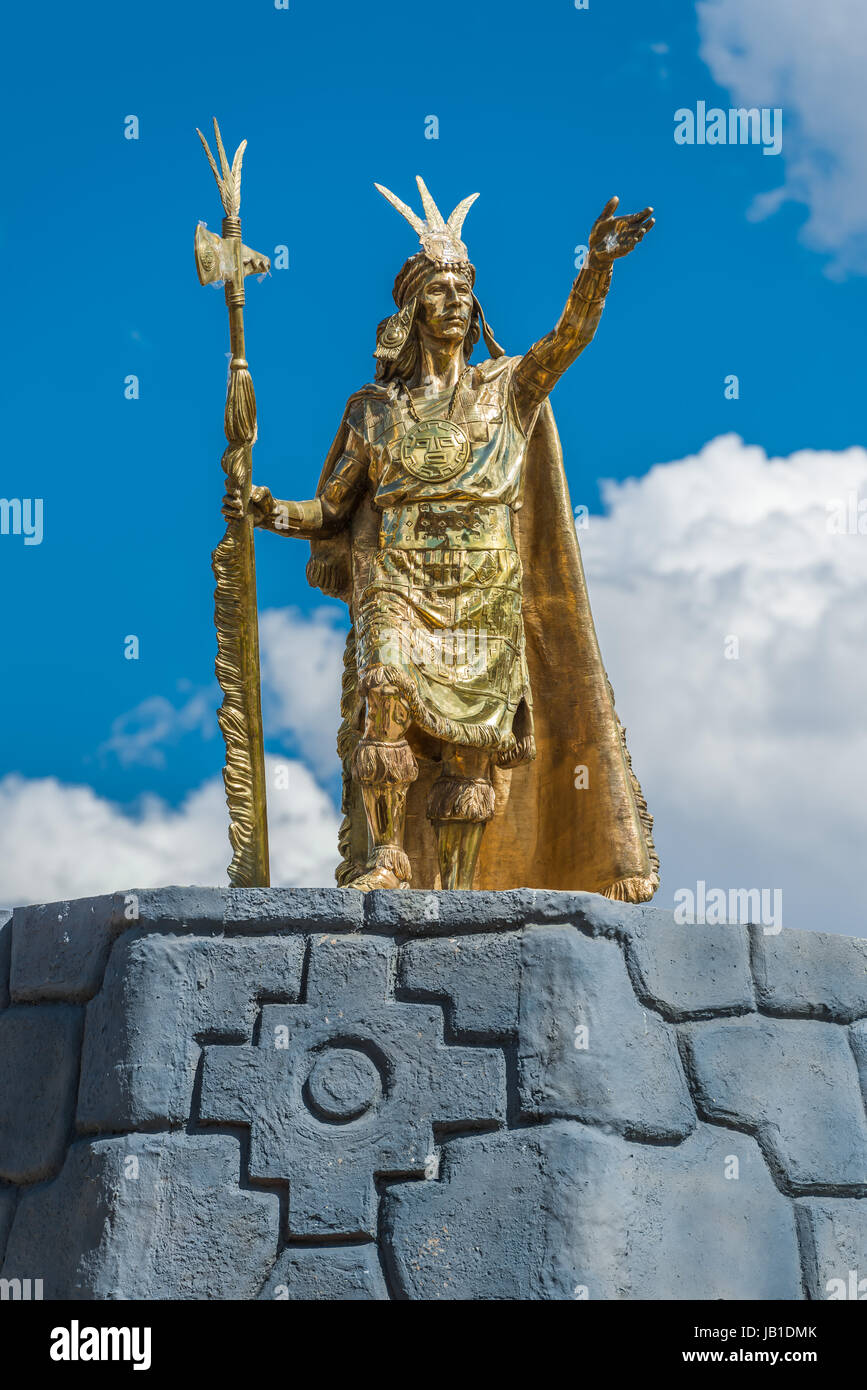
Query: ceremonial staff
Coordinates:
[226,259]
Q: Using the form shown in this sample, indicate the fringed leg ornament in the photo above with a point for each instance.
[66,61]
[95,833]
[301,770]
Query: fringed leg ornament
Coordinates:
[460,808]
[384,769]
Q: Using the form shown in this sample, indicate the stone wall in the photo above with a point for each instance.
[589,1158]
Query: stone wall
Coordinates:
[308,1094]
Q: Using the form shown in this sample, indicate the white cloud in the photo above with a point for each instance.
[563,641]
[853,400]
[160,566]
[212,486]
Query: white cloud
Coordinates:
[809,59]
[753,767]
[302,666]
[61,841]
[138,736]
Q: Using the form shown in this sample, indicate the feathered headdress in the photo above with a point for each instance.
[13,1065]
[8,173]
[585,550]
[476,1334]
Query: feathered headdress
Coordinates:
[441,248]
[440,239]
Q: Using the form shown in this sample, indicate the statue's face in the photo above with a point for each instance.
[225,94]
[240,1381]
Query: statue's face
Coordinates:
[445,307]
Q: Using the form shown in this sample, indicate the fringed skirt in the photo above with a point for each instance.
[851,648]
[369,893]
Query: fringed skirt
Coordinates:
[445,627]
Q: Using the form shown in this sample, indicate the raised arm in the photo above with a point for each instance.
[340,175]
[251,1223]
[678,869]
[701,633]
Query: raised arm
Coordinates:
[541,368]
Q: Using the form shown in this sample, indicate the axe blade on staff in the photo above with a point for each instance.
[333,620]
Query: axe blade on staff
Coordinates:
[225,258]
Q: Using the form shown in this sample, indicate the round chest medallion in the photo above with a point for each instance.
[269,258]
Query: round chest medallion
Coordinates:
[435,450]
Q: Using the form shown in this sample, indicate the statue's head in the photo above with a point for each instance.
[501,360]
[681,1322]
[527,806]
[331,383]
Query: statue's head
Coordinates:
[433,292]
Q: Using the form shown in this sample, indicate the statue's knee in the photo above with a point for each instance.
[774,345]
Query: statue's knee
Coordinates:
[388,715]
[474,763]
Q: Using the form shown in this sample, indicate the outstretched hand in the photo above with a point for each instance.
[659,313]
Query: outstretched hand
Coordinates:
[614,236]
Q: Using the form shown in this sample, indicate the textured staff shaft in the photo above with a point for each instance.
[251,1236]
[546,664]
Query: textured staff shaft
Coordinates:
[235,612]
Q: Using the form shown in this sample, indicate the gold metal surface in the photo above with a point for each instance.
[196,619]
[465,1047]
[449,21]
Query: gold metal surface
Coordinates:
[225,258]
[442,515]
[435,450]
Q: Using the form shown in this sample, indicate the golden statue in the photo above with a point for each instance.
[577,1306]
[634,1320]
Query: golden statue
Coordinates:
[480,744]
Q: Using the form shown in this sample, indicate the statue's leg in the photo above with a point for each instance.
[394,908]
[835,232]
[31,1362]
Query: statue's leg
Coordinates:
[384,766]
[460,804]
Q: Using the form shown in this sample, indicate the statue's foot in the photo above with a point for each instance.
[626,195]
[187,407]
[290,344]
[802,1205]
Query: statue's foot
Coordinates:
[387,867]
[377,878]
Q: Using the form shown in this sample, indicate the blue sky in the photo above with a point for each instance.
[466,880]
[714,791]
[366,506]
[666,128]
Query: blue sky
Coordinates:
[544,109]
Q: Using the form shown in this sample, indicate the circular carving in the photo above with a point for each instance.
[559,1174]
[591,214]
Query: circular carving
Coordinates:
[435,450]
[343,1084]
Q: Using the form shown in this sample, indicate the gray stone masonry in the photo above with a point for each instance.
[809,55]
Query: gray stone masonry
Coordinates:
[309,1094]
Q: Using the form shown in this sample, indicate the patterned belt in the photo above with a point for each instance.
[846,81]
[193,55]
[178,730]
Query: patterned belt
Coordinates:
[447,526]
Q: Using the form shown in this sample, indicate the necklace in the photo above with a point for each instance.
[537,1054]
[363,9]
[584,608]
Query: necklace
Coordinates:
[435,450]
[411,403]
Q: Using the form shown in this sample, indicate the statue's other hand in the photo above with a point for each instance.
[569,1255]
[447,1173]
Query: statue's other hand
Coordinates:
[260,508]
[261,505]
[612,236]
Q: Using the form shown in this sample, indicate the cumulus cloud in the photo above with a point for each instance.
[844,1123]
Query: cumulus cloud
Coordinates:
[58,840]
[809,59]
[301,658]
[730,594]
[139,736]
[301,664]
[62,841]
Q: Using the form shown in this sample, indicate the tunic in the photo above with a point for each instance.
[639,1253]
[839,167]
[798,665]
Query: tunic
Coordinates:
[440,608]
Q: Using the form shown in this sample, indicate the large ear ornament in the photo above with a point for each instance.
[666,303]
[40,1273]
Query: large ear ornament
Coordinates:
[392,337]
